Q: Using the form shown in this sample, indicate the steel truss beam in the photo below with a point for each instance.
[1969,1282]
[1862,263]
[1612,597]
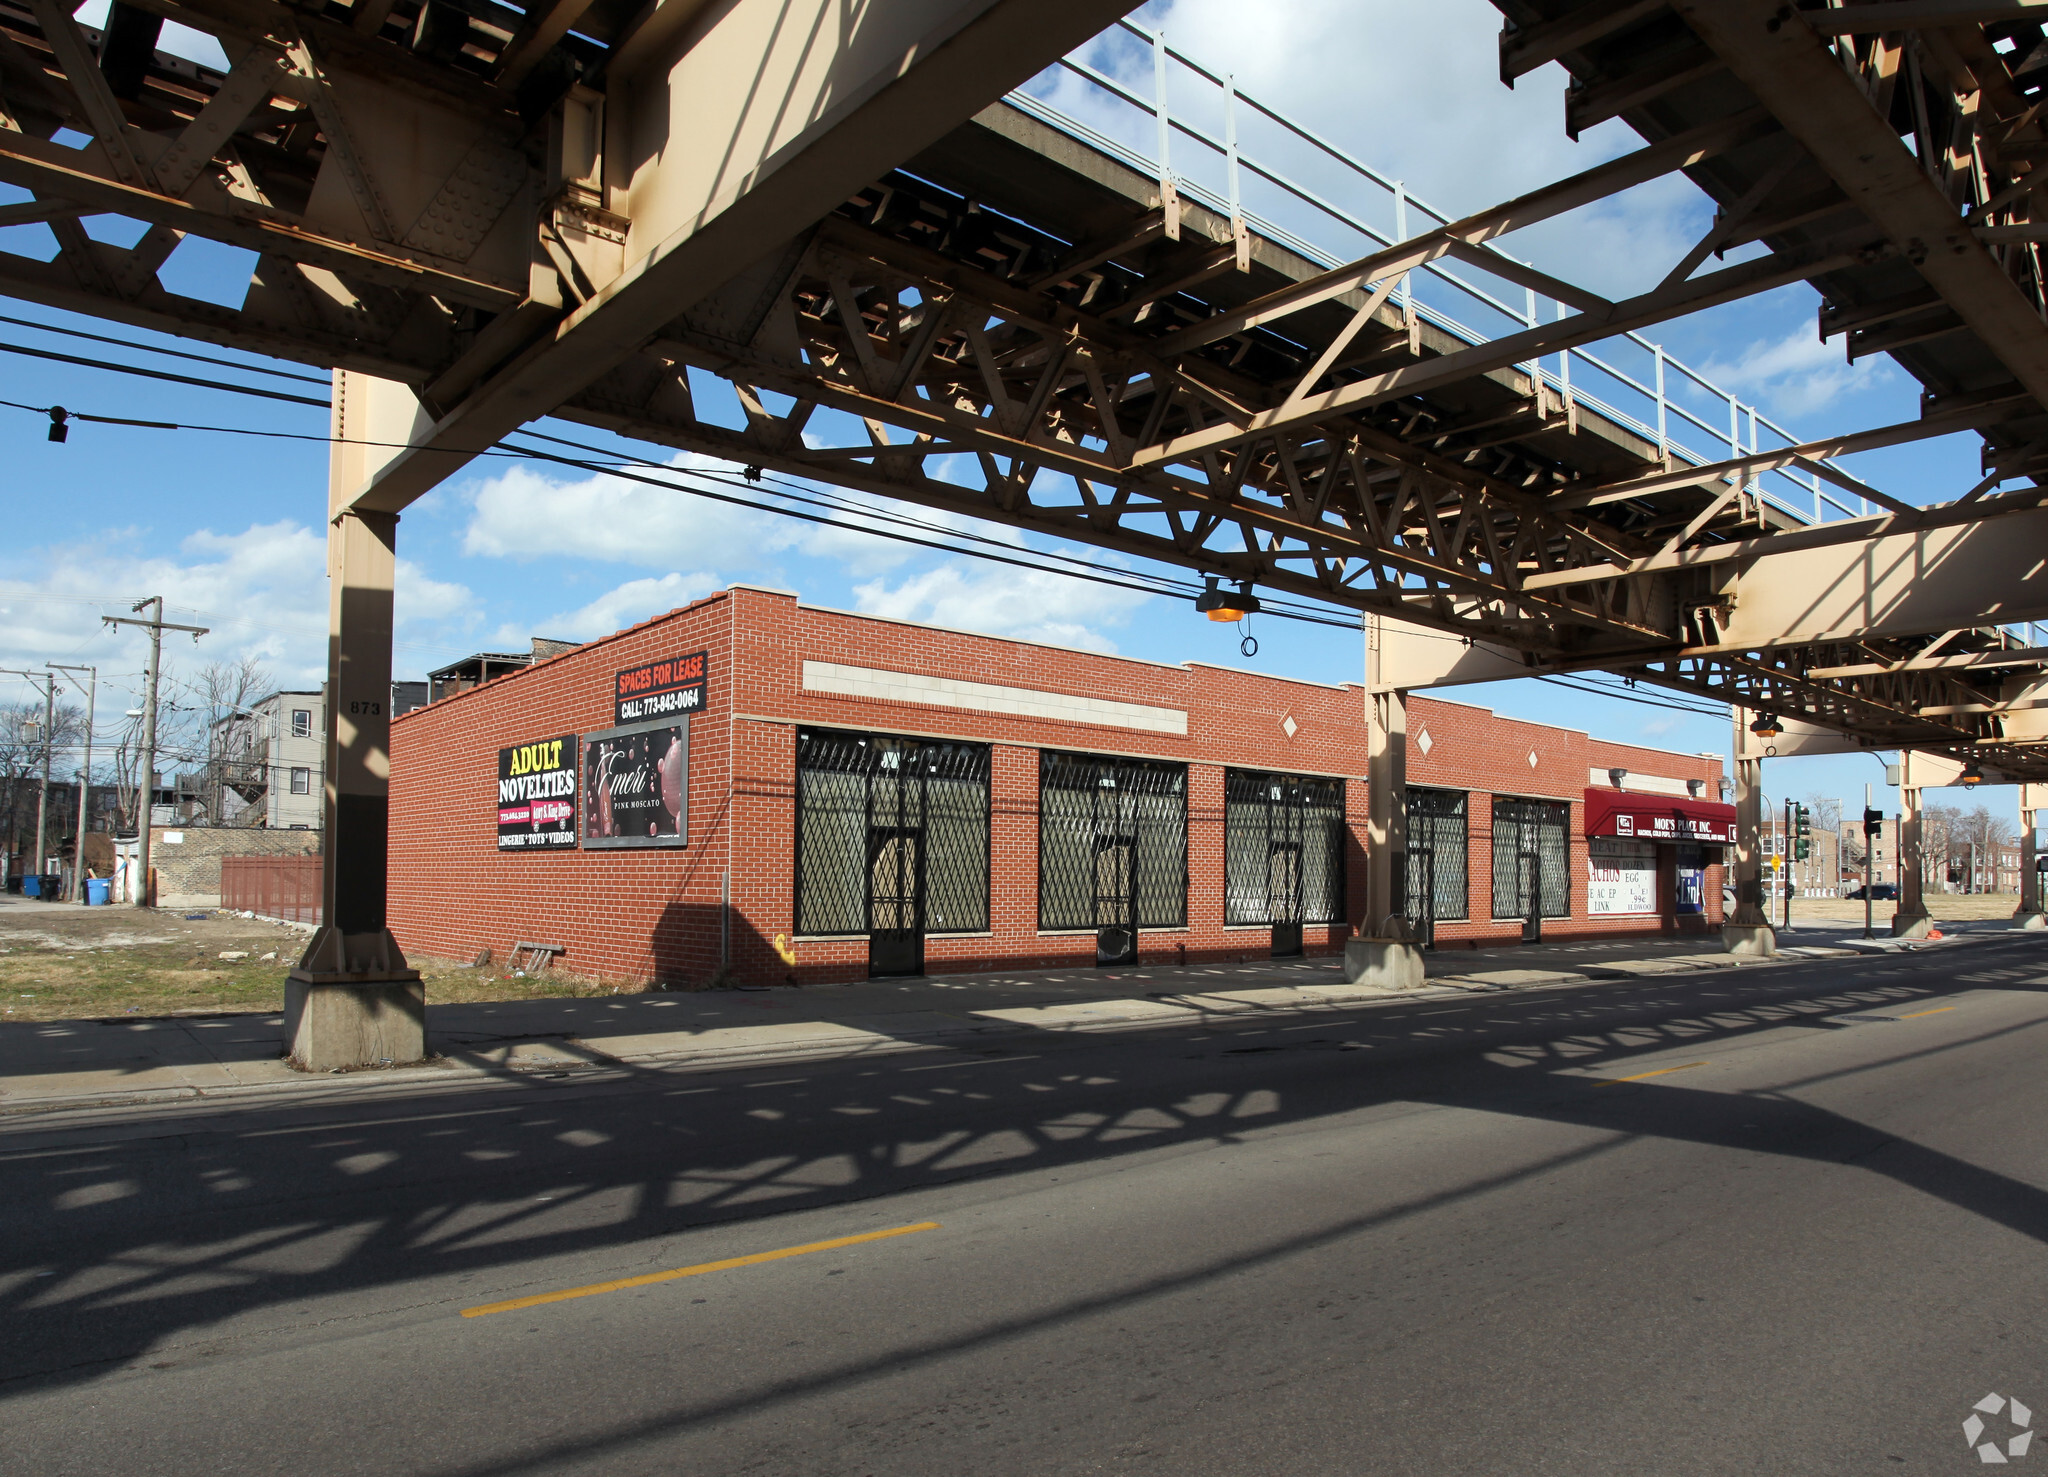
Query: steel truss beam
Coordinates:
[420,213]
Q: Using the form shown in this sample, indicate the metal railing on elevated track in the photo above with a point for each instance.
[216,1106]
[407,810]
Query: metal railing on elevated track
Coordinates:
[1653,405]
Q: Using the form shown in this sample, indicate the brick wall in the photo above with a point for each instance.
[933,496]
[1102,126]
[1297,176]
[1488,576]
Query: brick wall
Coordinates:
[188,869]
[656,915]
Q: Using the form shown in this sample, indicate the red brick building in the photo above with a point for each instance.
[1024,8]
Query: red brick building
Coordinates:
[823,795]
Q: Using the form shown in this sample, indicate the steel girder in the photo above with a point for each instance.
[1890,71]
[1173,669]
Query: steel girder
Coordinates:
[473,202]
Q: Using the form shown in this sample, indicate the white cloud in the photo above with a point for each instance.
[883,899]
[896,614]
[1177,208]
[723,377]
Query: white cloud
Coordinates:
[1797,374]
[524,514]
[262,592]
[627,605]
[1025,604]
[1373,76]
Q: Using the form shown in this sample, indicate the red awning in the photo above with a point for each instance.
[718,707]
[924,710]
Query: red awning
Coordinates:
[1658,817]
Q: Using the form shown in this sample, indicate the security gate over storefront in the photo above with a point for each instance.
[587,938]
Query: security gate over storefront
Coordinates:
[892,842]
[1435,888]
[1531,863]
[1283,853]
[1112,849]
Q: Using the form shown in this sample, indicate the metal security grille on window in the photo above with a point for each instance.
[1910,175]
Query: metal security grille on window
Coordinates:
[1283,849]
[890,827]
[1112,837]
[1437,834]
[1529,851]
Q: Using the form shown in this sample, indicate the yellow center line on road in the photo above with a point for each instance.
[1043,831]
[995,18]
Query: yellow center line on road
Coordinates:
[1918,1013]
[1661,1071]
[649,1279]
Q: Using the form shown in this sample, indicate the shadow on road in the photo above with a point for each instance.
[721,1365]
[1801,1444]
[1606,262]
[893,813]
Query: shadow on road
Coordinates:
[120,1235]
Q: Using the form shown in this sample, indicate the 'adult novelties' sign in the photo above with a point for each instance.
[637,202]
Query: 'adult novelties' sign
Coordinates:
[660,689]
[537,795]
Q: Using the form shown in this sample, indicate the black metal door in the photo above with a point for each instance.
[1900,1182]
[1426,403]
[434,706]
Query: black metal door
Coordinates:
[1283,895]
[1116,900]
[1422,867]
[896,860]
[895,900]
[1530,885]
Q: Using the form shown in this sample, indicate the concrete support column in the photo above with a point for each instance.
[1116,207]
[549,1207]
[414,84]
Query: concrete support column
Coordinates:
[1387,952]
[1748,931]
[1387,822]
[2028,914]
[353,1001]
[1911,920]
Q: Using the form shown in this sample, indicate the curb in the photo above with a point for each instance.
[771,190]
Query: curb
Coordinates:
[852,1044]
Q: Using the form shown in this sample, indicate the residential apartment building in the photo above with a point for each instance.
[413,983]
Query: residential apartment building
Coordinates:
[268,761]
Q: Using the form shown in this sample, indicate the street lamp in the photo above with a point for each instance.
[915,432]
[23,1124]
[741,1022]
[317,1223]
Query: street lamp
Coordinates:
[1972,776]
[1221,605]
[1767,726]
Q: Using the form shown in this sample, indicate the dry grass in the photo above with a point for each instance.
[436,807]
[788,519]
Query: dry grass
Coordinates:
[102,962]
[1941,906]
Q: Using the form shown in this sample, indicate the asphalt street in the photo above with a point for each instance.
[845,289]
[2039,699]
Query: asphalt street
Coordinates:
[1782,1220]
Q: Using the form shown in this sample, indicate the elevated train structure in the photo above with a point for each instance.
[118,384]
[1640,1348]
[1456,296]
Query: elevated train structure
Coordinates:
[478,214]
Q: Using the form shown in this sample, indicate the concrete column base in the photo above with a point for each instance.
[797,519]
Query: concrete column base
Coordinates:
[1750,940]
[353,1001]
[370,1024]
[2032,922]
[1385,964]
[1911,925]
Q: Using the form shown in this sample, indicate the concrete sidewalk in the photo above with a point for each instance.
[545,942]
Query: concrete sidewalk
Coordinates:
[57,1064]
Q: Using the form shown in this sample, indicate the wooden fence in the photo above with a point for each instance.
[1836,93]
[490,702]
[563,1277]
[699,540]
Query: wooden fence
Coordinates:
[286,887]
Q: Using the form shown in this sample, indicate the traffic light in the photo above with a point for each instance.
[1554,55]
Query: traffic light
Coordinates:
[1873,822]
[1803,830]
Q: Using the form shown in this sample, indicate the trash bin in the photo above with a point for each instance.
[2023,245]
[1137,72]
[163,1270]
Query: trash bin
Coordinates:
[98,890]
[31,884]
[53,887]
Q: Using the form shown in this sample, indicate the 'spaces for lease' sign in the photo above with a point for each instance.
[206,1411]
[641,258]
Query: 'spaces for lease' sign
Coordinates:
[659,689]
[537,795]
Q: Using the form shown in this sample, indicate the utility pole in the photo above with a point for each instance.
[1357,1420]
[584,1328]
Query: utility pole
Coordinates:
[92,695]
[43,798]
[156,626]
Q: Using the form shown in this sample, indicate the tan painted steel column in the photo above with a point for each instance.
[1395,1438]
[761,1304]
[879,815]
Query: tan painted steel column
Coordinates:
[2028,914]
[353,1000]
[1911,920]
[1386,953]
[1386,857]
[1748,930]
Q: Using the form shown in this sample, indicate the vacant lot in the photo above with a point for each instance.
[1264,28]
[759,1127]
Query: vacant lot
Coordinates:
[127,961]
[1941,906]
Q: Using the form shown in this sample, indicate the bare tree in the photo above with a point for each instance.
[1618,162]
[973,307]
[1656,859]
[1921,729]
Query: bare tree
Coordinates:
[225,690]
[23,744]
[1939,825]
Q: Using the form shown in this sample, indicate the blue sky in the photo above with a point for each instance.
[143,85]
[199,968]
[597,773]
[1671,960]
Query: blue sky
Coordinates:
[227,528]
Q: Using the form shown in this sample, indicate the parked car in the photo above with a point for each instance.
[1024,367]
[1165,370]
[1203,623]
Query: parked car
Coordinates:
[1877,890]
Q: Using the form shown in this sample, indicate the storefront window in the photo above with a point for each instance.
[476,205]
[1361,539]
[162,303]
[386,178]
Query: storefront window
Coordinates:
[1621,877]
[1112,842]
[1530,853]
[1438,836]
[904,816]
[1283,848]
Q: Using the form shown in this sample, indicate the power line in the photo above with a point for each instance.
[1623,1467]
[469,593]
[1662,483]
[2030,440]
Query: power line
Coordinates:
[1630,697]
[155,374]
[100,338]
[1160,584]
